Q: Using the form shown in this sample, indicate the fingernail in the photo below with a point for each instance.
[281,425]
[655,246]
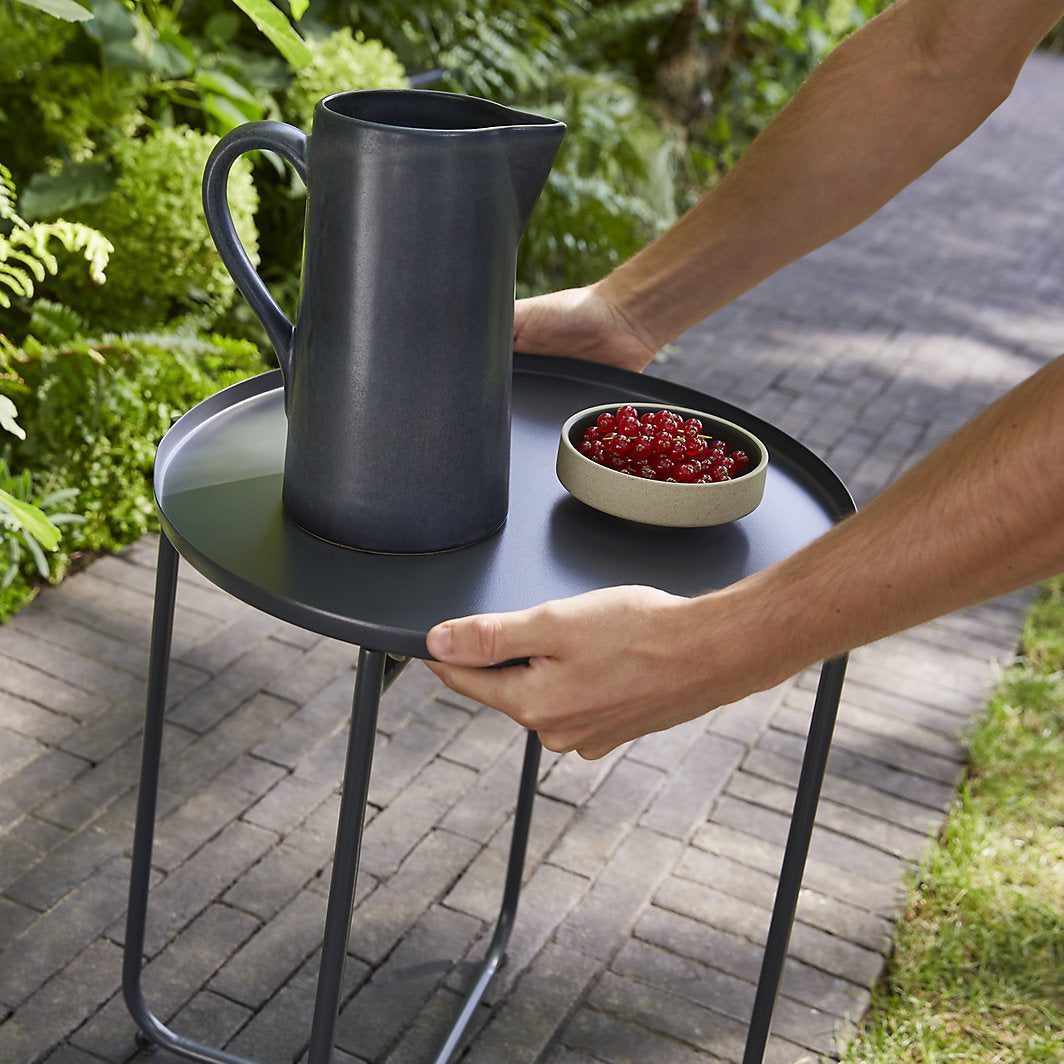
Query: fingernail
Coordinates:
[439,641]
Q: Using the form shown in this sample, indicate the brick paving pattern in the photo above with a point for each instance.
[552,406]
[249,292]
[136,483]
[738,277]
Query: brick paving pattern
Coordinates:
[651,873]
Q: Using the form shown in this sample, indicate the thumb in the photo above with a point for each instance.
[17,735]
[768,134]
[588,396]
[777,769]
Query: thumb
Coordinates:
[484,639]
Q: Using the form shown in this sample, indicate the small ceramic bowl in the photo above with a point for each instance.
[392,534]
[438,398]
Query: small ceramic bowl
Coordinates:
[658,502]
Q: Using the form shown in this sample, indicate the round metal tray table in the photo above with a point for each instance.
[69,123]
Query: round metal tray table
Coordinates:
[218,492]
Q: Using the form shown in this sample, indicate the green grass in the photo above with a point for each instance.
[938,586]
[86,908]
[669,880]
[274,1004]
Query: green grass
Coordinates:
[977,971]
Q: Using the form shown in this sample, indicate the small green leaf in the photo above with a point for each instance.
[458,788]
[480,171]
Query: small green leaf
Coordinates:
[278,29]
[67,10]
[226,114]
[111,22]
[32,519]
[77,184]
[224,84]
[227,100]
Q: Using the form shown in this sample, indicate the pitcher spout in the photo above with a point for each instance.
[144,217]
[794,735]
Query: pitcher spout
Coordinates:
[532,149]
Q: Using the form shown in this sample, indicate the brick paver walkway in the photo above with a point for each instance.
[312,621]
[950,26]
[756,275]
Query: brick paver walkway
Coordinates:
[651,873]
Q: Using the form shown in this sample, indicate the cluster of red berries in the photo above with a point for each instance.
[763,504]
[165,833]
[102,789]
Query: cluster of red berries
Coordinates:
[660,445]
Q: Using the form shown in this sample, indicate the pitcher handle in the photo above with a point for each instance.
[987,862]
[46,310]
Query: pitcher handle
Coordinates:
[291,144]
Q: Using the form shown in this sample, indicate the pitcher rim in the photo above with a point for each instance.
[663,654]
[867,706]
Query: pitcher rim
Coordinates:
[532,120]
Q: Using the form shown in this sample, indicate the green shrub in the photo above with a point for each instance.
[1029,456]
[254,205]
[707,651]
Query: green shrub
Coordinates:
[82,113]
[612,187]
[94,413]
[341,60]
[59,104]
[30,39]
[505,50]
[165,263]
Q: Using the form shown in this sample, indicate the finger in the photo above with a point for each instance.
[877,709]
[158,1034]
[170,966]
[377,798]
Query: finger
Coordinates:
[498,688]
[488,638]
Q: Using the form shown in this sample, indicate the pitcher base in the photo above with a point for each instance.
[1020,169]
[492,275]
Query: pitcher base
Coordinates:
[399,553]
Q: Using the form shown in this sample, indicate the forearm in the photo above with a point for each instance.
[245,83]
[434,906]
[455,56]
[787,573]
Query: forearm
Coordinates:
[981,516]
[879,111]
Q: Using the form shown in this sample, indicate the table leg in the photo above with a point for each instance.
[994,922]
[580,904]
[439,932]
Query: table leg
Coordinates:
[511,891]
[817,747]
[368,684]
[375,671]
[151,1032]
[373,667]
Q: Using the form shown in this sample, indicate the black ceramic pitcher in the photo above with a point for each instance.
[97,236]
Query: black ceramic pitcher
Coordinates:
[397,373]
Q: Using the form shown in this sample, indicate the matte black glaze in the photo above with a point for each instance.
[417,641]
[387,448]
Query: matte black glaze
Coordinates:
[397,372]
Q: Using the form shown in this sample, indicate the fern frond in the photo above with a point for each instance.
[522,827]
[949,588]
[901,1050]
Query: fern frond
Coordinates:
[35,257]
[7,198]
[16,280]
[25,257]
[609,23]
[54,324]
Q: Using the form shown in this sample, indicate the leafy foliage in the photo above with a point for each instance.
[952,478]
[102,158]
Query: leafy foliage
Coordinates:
[29,523]
[612,187]
[94,413]
[64,9]
[341,60]
[26,527]
[502,49]
[26,257]
[165,263]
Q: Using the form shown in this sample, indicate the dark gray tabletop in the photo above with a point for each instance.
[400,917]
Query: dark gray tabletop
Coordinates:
[218,490]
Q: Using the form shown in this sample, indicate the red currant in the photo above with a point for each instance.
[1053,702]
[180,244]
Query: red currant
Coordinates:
[642,447]
[696,447]
[660,445]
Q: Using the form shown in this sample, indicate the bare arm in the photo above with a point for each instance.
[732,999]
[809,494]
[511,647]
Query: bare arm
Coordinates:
[982,515]
[880,110]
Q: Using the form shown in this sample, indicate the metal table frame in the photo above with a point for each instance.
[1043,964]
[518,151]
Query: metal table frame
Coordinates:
[376,669]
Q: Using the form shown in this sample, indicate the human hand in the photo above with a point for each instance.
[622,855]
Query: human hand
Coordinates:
[579,323]
[603,667]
